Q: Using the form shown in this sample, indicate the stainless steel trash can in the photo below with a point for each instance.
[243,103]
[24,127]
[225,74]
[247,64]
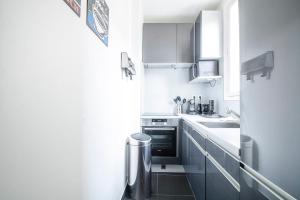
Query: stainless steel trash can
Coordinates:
[139,174]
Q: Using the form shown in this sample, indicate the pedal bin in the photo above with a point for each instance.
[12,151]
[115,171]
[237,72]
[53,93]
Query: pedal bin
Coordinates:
[139,169]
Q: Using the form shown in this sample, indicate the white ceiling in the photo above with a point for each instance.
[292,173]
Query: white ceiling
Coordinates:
[176,10]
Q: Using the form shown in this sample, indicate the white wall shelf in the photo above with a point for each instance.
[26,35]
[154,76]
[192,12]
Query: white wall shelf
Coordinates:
[167,65]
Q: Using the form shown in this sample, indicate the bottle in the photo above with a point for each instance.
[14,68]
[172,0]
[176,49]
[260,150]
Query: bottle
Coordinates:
[211,107]
[199,108]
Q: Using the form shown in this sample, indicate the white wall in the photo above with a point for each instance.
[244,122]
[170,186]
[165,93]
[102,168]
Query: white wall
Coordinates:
[111,105]
[217,93]
[270,108]
[62,94]
[161,86]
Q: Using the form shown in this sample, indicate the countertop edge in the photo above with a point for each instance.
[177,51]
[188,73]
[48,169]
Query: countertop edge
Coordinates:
[208,134]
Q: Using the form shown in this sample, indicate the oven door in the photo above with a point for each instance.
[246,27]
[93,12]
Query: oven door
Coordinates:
[164,141]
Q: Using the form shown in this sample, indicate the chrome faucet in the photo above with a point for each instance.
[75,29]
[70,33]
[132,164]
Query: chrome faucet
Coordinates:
[232,112]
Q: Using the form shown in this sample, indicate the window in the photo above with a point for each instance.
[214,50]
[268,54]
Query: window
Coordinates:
[231,51]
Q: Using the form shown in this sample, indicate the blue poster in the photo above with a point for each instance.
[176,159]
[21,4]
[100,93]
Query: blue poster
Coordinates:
[98,19]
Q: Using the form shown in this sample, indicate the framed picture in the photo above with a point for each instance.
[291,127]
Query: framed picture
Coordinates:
[98,18]
[75,5]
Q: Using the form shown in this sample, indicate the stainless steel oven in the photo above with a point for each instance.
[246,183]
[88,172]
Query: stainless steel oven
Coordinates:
[164,135]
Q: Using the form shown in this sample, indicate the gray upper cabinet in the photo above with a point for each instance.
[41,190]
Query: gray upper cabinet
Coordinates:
[159,43]
[168,43]
[208,36]
[185,43]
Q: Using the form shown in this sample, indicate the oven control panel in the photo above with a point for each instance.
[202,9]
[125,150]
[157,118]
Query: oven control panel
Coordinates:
[160,122]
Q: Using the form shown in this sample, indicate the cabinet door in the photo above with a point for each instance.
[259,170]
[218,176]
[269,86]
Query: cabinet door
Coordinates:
[228,162]
[198,38]
[197,171]
[217,185]
[198,137]
[208,35]
[184,148]
[159,43]
[185,46]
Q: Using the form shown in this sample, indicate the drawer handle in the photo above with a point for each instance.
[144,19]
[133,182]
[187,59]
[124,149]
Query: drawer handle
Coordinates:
[159,129]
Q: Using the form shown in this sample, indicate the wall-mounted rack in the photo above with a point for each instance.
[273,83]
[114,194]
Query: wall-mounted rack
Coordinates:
[262,64]
[167,65]
[127,65]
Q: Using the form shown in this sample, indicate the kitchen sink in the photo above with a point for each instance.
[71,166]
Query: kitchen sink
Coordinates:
[220,124]
[213,116]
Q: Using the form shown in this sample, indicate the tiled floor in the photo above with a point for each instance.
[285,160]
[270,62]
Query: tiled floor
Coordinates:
[166,186]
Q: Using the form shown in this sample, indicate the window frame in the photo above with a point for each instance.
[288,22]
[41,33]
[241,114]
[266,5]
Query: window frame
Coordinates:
[228,94]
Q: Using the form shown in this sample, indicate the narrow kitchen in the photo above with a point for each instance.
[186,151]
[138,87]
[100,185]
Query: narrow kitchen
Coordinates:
[149,100]
[195,68]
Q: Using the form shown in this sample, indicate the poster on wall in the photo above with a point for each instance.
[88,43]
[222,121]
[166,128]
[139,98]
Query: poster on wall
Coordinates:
[75,5]
[98,18]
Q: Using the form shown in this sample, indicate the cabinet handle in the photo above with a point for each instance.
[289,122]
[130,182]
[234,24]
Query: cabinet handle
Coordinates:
[195,143]
[159,129]
[231,180]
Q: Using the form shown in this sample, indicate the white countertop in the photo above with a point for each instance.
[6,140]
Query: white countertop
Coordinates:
[227,138]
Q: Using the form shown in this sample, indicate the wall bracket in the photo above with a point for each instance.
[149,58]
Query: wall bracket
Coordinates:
[127,65]
[262,64]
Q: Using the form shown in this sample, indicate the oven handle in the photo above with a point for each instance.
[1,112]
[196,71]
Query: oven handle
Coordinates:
[159,129]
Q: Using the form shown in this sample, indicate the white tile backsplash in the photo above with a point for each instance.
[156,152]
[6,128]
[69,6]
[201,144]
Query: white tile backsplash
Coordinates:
[161,86]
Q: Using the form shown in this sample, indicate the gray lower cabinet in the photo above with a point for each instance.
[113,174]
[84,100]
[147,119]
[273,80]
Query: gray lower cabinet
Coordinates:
[197,172]
[184,149]
[229,163]
[217,186]
[193,161]
[209,182]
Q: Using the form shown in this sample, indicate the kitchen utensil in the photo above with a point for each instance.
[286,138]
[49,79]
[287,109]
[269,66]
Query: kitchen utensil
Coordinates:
[211,107]
[205,109]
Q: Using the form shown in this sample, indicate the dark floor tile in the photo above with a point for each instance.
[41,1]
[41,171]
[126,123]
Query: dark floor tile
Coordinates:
[166,197]
[162,197]
[173,185]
